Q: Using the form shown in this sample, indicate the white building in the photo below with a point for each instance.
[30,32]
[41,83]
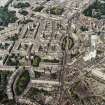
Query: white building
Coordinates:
[3,3]
[93,52]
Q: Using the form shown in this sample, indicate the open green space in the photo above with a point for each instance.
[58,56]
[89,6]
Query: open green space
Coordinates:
[51,60]
[23,12]
[3,83]
[4,45]
[83,28]
[96,10]
[67,43]
[14,59]
[37,94]
[35,62]
[22,5]
[38,9]
[37,74]
[7,16]
[22,82]
[56,10]
[12,38]
[36,91]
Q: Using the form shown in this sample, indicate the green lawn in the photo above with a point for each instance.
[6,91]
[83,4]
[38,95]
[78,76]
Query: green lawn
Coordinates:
[57,10]
[35,62]
[22,82]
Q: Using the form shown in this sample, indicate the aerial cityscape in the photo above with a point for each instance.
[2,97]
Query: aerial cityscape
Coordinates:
[52,52]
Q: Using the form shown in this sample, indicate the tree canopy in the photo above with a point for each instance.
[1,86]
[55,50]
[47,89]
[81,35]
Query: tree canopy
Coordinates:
[96,10]
[7,16]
